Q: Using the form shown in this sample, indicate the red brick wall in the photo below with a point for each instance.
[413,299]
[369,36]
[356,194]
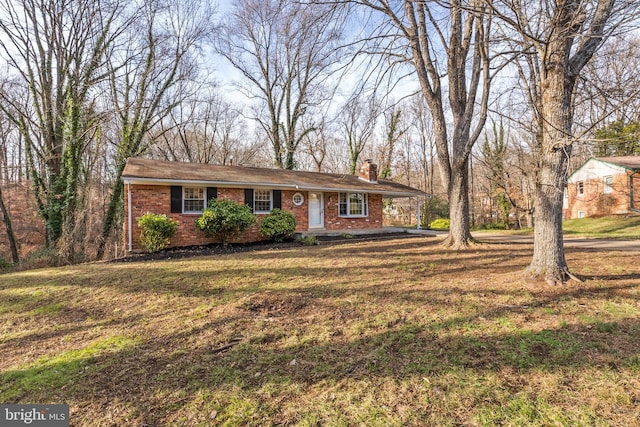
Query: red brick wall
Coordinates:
[636,190]
[300,212]
[28,226]
[333,221]
[157,199]
[593,202]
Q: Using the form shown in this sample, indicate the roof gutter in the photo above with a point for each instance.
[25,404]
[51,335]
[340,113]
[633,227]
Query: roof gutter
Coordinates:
[135,180]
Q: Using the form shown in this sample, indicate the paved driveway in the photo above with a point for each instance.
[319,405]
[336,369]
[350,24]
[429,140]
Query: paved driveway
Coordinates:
[569,242]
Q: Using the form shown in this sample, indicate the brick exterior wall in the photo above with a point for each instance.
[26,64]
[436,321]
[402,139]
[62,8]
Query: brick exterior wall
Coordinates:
[28,226]
[332,221]
[157,199]
[594,202]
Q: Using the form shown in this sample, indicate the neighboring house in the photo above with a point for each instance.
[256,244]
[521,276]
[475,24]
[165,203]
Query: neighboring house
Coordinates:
[603,186]
[320,202]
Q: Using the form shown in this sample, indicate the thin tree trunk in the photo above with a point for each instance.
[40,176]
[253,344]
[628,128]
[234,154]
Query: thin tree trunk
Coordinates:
[10,235]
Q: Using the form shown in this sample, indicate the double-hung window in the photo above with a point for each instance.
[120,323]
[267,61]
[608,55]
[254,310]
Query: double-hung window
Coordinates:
[580,188]
[262,201]
[193,199]
[353,205]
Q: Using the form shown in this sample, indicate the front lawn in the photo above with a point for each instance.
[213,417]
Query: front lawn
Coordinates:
[394,332]
[604,227]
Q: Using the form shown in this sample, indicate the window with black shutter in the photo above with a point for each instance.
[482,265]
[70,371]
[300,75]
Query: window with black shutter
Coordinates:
[212,193]
[176,199]
[248,197]
[277,199]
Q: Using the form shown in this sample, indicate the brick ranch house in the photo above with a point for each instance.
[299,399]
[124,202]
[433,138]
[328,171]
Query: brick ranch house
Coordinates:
[320,202]
[603,186]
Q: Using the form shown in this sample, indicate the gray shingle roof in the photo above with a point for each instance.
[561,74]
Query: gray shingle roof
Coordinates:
[140,171]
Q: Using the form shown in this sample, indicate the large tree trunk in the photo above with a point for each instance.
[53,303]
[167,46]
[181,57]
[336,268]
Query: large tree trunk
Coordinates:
[459,235]
[548,260]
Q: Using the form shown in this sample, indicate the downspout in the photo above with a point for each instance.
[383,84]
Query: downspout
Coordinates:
[631,208]
[129,231]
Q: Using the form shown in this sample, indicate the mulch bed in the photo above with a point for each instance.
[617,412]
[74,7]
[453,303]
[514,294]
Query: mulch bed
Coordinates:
[217,249]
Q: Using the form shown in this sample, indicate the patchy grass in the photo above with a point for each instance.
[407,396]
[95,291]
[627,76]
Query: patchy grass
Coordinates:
[396,332]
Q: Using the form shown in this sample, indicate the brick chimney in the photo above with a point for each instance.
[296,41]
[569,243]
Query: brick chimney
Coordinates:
[368,171]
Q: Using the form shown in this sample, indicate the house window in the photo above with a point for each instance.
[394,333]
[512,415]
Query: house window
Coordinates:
[608,184]
[193,199]
[581,214]
[262,201]
[580,188]
[353,204]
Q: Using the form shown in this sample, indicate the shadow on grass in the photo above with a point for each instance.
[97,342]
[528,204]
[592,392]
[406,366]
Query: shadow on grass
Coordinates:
[182,365]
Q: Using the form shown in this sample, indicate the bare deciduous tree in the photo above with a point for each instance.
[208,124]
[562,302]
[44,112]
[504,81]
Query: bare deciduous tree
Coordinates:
[394,129]
[57,50]
[204,130]
[358,121]
[557,40]
[447,45]
[286,51]
[149,75]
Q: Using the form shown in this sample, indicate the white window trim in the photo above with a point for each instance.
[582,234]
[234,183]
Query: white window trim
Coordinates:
[608,188]
[298,199]
[365,207]
[579,186]
[204,200]
[270,202]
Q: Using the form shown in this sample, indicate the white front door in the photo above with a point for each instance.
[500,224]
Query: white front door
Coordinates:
[316,210]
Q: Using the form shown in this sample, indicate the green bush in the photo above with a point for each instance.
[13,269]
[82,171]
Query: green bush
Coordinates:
[224,220]
[308,240]
[278,225]
[156,230]
[434,207]
[440,224]
[5,265]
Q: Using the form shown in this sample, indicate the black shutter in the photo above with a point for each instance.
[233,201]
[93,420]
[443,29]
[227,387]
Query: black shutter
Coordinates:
[212,193]
[248,197]
[176,199]
[277,199]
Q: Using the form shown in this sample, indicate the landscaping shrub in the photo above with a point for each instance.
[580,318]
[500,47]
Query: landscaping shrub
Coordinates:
[440,224]
[224,220]
[5,265]
[308,240]
[156,230]
[278,225]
